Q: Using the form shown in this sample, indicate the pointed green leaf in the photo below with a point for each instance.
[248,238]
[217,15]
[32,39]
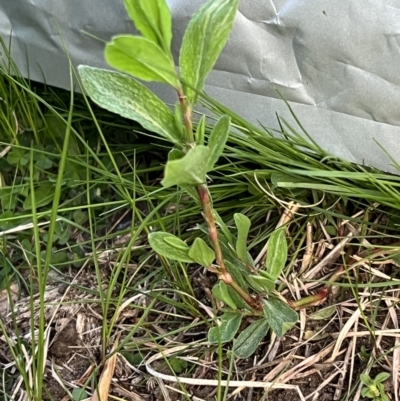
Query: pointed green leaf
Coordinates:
[129,98]
[176,154]
[217,140]
[224,228]
[281,317]
[169,246]
[381,377]
[201,253]
[238,271]
[322,314]
[243,224]
[200,131]
[277,253]
[204,39]
[238,278]
[238,300]
[176,243]
[152,19]
[250,338]
[365,379]
[189,170]
[232,261]
[260,283]
[220,291]
[230,323]
[141,58]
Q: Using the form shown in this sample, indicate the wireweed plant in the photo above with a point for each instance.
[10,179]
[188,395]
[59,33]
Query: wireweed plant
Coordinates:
[241,286]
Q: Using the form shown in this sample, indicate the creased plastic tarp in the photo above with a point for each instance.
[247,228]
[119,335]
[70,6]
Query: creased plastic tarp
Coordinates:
[337,62]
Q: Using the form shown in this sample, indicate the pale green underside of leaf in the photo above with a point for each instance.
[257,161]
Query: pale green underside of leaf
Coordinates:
[152,19]
[189,170]
[217,140]
[167,249]
[127,97]
[204,39]
[141,58]
[201,253]
[200,131]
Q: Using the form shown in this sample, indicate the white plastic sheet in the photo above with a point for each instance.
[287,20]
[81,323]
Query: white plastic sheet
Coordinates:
[337,62]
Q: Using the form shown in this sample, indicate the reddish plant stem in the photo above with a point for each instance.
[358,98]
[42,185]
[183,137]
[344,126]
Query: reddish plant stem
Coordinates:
[223,272]
[205,200]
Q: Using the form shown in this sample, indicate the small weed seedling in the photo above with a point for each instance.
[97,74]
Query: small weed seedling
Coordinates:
[149,58]
[373,388]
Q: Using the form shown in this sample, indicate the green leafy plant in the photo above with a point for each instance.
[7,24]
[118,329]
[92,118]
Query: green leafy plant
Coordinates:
[148,58]
[374,388]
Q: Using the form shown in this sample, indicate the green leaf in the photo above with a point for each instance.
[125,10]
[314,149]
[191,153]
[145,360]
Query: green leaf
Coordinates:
[79,394]
[44,163]
[365,379]
[277,253]
[141,58]
[176,243]
[152,19]
[175,154]
[250,338]
[384,397]
[260,283]
[217,140]
[134,359]
[230,323]
[189,170]
[324,313]
[15,155]
[381,377]
[201,253]
[178,364]
[238,278]
[200,131]
[80,217]
[8,198]
[243,224]
[220,291]
[44,194]
[204,39]
[129,98]
[281,317]
[224,228]
[169,246]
